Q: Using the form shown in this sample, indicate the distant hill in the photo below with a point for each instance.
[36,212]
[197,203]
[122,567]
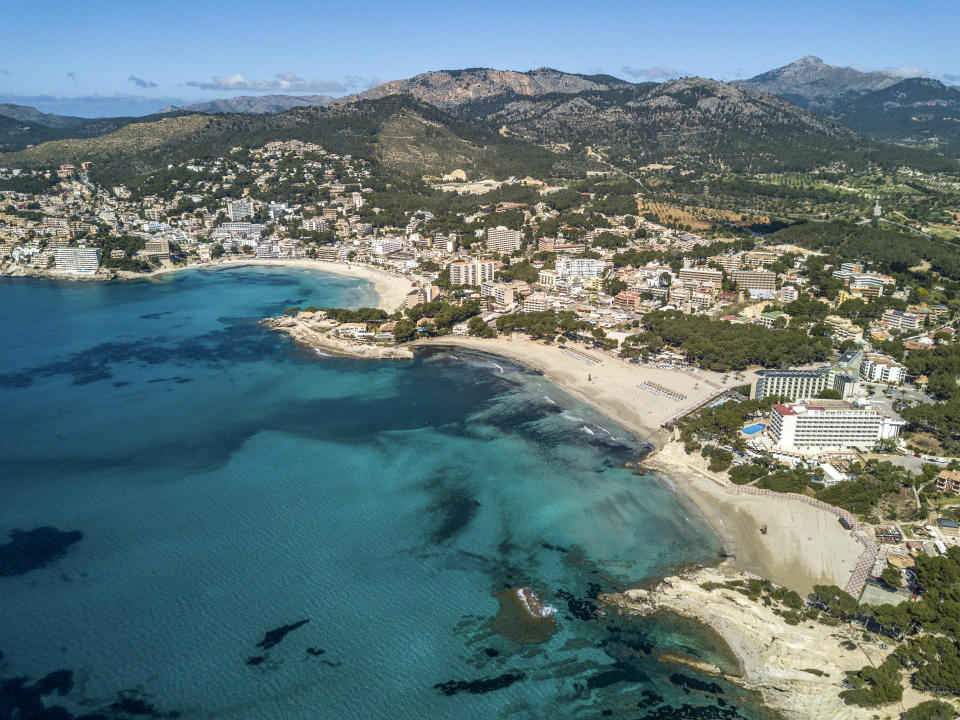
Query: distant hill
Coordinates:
[502,122]
[22,127]
[252,105]
[403,135]
[810,82]
[705,120]
[467,91]
[32,116]
[917,110]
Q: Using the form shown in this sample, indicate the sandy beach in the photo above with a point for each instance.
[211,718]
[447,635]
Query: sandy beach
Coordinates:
[391,289]
[803,546]
[611,385]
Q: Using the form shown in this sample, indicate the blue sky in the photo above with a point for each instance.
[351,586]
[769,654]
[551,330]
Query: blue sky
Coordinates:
[105,57]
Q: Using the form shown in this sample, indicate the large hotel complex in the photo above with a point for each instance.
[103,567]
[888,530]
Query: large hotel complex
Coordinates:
[841,376]
[831,424]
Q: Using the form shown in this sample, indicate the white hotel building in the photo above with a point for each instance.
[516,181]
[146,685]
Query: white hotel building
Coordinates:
[831,424]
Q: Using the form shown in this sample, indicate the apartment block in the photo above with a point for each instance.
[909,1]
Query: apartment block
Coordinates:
[788,293]
[535,303]
[77,260]
[949,481]
[902,320]
[503,240]
[799,384]
[471,272]
[880,368]
[238,210]
[727,262]
[570,267]
[691,277]
[158,247]
[754,280]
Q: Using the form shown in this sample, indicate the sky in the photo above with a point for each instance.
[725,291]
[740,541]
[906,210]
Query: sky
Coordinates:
[106,57]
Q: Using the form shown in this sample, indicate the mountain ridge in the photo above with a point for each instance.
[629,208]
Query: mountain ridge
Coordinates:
[810,82]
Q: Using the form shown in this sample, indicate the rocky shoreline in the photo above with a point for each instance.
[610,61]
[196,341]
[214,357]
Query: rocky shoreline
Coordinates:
[797,670]
[321,337]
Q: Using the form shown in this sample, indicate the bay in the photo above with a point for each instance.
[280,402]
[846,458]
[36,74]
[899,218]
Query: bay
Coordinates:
[228,485]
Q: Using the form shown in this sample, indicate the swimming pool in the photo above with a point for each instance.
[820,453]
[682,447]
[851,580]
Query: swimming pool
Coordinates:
[753,429]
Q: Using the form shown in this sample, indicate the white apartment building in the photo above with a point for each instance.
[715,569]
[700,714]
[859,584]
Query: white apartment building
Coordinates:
[387,245]
[880,368]
[548,278]
[503,240]
[831,424]
[471,272]
[577,267]
[314,225]
[502,293]
[238,210]
[77,260]
[788,293]
[902,320]
[535,303]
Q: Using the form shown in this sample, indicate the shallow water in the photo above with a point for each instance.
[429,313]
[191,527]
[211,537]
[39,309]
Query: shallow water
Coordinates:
[229,485]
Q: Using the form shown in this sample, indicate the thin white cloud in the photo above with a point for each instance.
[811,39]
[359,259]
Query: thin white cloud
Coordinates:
[286,81]
[653,72]
[141,83]
[907,71]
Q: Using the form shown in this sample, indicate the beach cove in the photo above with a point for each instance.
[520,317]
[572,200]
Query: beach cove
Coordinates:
[202,462]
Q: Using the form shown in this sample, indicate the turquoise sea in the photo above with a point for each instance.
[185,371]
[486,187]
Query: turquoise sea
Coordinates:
[200,519]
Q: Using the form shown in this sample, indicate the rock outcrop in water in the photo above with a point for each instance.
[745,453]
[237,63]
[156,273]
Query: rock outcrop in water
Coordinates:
[32,549]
